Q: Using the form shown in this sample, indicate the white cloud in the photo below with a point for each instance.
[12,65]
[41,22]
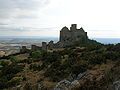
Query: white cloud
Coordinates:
[100,18]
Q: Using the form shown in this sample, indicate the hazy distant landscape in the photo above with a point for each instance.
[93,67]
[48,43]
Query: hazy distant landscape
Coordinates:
[12,45]
[38,40]
[108,40]
[27,41]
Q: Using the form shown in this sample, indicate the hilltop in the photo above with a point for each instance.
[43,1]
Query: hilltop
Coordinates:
[87,65]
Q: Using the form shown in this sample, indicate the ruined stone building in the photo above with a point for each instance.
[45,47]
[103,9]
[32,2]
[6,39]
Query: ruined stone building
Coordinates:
[72,36]
[68,37]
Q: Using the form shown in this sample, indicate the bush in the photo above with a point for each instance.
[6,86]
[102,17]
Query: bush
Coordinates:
[111,55]
[4,63]
[77,69]
[14,81]
[13,59]
[35,67]
[36,54]
[6,75]
[8,72]
[51,57]
[56,72]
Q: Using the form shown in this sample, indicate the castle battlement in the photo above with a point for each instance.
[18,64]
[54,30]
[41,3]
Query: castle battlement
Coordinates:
[73,27]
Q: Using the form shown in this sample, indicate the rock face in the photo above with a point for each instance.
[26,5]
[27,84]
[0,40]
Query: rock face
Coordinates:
[63,85]
[70,85]
[116,85]
[72,36]
[67,85]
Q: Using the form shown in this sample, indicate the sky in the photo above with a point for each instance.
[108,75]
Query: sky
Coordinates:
[45,18]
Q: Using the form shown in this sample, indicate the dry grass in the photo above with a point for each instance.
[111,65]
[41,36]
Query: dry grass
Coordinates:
[22,56]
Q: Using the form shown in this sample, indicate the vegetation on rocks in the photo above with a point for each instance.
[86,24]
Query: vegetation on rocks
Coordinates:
[52,67]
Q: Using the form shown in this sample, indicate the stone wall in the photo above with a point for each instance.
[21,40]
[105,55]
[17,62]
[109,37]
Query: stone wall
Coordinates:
[50,45]
[34,48]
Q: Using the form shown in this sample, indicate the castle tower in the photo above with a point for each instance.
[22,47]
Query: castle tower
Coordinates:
[73,27]
[44,46]
[64,33]
[33,47]
[51,45]
[23,49]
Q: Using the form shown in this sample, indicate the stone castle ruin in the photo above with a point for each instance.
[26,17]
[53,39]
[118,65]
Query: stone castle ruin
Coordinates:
[68,37]
[72,36]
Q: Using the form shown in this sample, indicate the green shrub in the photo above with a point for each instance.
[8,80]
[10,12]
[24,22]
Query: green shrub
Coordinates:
[13,59]
[9,71]
[35,67]
[36,54]
[76,69]
[51,57]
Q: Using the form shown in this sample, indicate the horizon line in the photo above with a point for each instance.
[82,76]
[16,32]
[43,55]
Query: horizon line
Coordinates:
[51,37]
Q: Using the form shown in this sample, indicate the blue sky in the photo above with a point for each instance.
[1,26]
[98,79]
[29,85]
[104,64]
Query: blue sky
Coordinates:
[100,18]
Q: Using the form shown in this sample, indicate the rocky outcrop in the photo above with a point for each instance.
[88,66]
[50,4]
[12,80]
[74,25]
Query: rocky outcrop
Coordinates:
[67,85]
[63,85]
[70,85]
[116,85]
